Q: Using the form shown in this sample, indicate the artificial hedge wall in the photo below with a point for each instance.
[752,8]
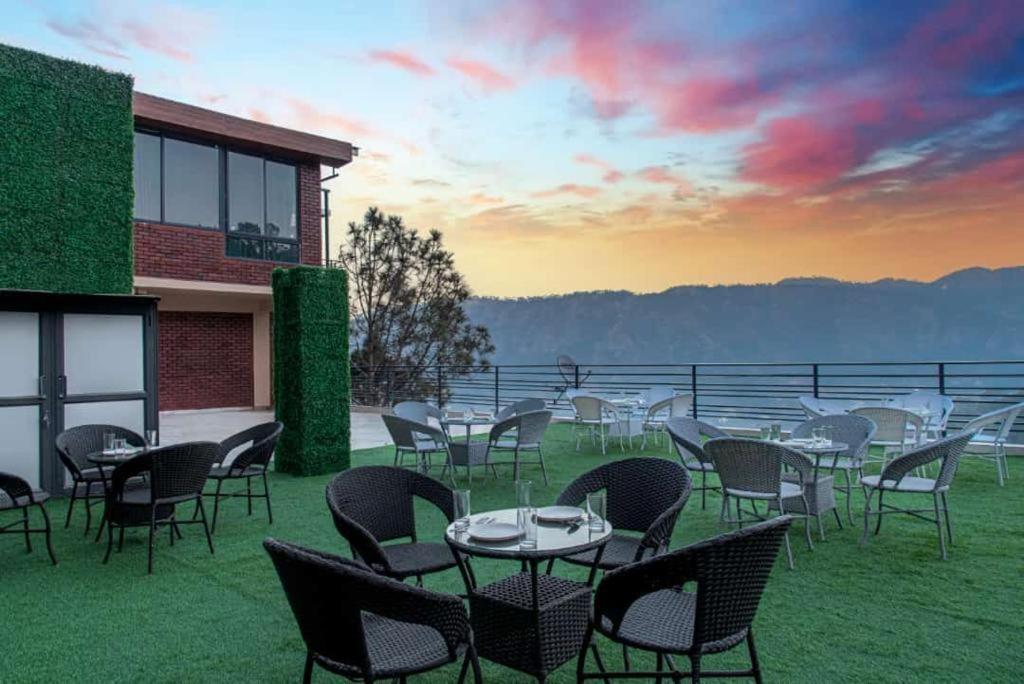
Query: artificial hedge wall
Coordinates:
[66,196]
[311,369]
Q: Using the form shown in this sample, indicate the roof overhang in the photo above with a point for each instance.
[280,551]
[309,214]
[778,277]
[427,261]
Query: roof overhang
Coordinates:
[164,114]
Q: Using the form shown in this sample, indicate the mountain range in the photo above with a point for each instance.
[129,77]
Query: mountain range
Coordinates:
[972,314]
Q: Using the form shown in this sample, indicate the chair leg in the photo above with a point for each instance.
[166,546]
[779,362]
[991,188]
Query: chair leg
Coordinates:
[695,668]
[71,504]
[307,672]
[248,493]
[110,541]
[266,494]
[515,465]
[47,528]
[543,469]
[216,506]
[938,526]
[659,665]
[949,523]
[152,533]
[88,513]
[206,528]
[24,524]
[703,490]
[849,495]
[755,666]
[878,525]
[120,539]
[868,493]
[474,662]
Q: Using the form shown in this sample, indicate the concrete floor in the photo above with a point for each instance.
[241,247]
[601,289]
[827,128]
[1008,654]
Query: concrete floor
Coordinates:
[216,424]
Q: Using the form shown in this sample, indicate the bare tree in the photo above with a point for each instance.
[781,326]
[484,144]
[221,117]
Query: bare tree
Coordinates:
[406,302]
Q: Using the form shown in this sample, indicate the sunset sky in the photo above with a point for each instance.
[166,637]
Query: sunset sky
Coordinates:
[566,146]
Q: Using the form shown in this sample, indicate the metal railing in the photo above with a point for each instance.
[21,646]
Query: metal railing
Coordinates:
[731,394]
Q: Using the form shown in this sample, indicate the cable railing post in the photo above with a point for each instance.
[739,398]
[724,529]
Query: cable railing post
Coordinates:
[576,374]
[942,378]
[387,385]
[814,372]
[693,387]
[497,388]
[440,386]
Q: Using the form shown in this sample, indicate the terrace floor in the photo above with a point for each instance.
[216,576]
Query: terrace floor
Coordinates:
[889,612]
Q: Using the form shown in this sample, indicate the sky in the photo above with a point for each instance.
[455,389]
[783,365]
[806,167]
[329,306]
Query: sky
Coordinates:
[565,146]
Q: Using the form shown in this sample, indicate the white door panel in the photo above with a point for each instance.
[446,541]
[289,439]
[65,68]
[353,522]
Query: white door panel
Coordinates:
[19,448]
[19,360]
[103,354]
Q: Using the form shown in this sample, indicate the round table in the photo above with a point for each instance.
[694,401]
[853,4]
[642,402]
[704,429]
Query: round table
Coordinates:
[102,458]
[510,616]
[815,450]
[468,423]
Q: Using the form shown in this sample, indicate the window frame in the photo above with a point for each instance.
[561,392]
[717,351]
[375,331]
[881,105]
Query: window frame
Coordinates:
[222,194]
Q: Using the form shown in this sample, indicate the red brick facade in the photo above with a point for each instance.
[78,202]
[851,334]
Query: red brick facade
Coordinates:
[205,360]
[163,251]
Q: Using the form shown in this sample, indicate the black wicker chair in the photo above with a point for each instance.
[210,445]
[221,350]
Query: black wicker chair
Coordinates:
[17,495]
[251,462]
[645,605]
[73,447]
[688,435]
[519,433]
[644,495]
[360,625]
[177,475]
[374,504]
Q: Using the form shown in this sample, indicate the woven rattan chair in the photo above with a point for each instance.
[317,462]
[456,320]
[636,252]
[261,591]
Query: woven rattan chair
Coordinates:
[18,495]
[522,432]
[365,627]
[896,479]
[597,416]
[751,470]
[896,430]
[644,495]
[420,440]
[176,475]
[688,435]
[252,461]
[654,606]
[663,410]
[522,406]
[939,408]
[74,445]
[374,504]
[991,432]
[853,430]
[815,407]
[421,412]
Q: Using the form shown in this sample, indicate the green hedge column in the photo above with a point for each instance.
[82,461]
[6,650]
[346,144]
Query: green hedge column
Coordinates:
[311,369]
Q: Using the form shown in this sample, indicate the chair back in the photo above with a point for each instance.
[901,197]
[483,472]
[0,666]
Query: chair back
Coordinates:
[749,465]
[75,444]
[641,494]
[262,440]
[333,598]
[529,427]
[854,430]
[946,451]
[892,424]
[403,431]
[417,411]
[1000,420]
[730,572]
[593,408]
[181,470]
[373,504]
[523,406]
[687,435]
[14,487]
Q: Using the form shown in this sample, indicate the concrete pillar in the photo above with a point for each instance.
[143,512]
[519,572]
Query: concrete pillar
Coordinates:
[261,359]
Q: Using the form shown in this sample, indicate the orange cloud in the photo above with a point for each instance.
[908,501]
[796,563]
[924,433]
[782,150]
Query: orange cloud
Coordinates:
[611,174]
[402,60]
[480,198]
[483,75]
[569,189]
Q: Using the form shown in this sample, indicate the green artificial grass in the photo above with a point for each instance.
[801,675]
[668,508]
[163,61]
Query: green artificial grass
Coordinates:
[891,611]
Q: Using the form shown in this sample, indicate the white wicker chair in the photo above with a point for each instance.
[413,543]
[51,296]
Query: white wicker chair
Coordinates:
[661,411]
[991,432]
[597,416]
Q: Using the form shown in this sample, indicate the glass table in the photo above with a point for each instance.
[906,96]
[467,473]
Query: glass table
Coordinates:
[529,621]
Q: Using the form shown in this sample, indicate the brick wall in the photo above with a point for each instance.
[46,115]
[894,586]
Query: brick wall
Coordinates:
[163,251]
[205,360]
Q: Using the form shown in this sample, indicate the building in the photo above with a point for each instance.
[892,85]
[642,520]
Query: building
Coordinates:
[221,201]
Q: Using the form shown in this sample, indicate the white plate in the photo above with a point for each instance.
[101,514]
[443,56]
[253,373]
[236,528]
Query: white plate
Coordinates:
[559,514]
[494,532]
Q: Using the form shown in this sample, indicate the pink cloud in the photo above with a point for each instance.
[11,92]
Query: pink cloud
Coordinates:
[660,174]
[711,103]
[485,76]
[798,152]
[92,36]
[156,39]
[611,174]
[569,189]
[481,199]
[402,60]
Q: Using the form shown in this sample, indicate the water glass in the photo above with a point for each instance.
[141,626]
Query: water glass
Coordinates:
[766,433]
[152,438]
[461,501]
[108,442]
[816,437]
[595,511]
[826,435]
[776,432]
[523,493]
[120,446]
[526,519]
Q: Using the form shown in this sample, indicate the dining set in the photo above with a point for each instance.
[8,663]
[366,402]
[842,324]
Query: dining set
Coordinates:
[625,415]
[140,483]
[360,619]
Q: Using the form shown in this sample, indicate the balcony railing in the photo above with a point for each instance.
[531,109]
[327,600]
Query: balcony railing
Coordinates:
[732,394]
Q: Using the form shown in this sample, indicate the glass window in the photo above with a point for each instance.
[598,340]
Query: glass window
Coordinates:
[147,177]
[282,251]
[281,219]
[245,194]
[247,248]
[191,184]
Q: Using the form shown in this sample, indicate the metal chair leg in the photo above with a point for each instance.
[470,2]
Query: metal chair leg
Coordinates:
[206,528]
[949,523]
[216,506]
[24,523]
[938,526]
[71,504]
[755,666]
[543,469]
[307,672]
[266,494]
[248,494]
[152,532]
[47,528]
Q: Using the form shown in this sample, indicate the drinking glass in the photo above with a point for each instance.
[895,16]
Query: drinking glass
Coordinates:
[777,432]
[461,500]
[120,446]
[595,511]
[108,442]
[826,435]
[152,438]
[523,493]
[527,521]
[766,433]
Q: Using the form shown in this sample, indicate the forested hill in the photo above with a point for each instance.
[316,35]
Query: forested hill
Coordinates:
[971,314]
